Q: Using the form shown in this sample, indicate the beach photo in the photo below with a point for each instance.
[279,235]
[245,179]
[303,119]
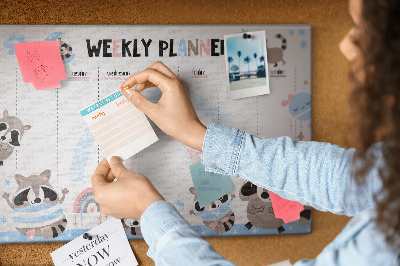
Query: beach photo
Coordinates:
[247,70]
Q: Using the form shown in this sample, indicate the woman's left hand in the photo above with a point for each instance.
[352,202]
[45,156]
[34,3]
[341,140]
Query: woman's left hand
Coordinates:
[127,197]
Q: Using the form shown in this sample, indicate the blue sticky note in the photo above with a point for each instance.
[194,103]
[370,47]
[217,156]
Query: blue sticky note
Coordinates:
[209,186]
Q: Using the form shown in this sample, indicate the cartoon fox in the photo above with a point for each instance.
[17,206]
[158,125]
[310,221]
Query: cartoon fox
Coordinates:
[11,132]
[37,208]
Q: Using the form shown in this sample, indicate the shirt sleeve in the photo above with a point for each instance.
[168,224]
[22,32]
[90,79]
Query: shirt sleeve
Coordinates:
[172,241]
[312,173]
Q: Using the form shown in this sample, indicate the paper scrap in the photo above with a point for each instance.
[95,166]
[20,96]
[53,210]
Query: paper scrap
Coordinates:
[41,64]
[109,246]
[284,209]
[207,185]
[118,126]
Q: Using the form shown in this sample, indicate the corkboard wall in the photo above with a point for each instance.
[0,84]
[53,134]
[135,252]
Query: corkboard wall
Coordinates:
[330,22]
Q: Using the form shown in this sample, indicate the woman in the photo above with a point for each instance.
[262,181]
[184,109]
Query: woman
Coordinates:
[360,182]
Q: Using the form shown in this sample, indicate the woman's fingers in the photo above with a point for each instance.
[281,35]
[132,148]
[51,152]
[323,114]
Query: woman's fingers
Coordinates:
[119,170]
[100,174]
[143,86]
[110,177]
[159,80]
[141,102]
[160,67]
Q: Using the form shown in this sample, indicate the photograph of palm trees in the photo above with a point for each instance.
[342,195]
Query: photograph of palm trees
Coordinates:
[247,70]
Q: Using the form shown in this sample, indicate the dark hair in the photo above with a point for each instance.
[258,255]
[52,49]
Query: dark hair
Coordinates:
[375,103]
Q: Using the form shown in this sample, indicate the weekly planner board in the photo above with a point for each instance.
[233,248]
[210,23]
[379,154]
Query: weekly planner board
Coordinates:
[48,153]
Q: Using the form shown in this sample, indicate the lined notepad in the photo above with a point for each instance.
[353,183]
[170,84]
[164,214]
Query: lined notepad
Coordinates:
[118,126]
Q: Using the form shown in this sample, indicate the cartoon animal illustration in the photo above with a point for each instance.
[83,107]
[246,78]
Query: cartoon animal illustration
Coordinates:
[179,205]
[275,54]
[11,132]
[259,209]
[260,212]
[37,207]
[131,226]
[84,202]
[217,215]
[299,105]
[305,216]
[66,49]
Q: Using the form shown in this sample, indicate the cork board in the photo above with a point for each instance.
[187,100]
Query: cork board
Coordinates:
[330,92]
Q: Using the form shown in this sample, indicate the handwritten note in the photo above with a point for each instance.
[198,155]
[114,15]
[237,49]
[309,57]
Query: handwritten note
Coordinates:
[209,186]
[41,63]
[284,209]
[118,126]
[108,246]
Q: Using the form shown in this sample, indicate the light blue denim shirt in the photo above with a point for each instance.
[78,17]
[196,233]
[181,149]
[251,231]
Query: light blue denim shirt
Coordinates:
[312,173]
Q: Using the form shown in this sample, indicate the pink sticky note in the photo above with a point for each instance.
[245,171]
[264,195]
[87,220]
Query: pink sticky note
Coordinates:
[41,63]
[284,209]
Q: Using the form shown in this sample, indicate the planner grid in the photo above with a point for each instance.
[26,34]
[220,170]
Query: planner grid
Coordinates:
[59,149]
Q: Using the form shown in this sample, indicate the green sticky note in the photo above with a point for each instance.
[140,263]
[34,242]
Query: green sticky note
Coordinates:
[209,186]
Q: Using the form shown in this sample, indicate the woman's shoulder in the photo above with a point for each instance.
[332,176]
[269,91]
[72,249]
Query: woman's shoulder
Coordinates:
[362,240]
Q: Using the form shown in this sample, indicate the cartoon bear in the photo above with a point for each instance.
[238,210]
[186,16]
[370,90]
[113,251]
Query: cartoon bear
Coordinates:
[217,215]
[131,226]
[11,132]
[260,212]
[37,207]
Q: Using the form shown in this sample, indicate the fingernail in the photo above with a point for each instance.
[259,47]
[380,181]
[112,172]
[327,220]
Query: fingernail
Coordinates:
[115,160]
[124,88]
[127,93]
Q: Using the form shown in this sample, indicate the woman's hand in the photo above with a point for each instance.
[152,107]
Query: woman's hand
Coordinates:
[174,113]
[127,197]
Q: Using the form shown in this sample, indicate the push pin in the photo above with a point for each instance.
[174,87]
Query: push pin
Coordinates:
[246,36]
[88,236]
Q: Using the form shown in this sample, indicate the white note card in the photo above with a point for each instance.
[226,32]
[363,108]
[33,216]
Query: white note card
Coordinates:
[118,126]
[109,246]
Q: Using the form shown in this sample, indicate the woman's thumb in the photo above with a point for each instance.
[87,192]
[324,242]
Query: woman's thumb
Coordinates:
[117,168]
[138,100]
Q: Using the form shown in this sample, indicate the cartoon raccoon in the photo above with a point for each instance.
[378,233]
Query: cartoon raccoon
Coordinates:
[260,212]
[37,207]
[11,132]
[259,209]
[131,226]
[218,216]
[275,54]
[65,49]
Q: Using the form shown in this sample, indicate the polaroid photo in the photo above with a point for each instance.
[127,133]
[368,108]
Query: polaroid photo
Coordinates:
[246,64]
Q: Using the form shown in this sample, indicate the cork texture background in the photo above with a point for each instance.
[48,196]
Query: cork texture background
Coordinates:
[330,22]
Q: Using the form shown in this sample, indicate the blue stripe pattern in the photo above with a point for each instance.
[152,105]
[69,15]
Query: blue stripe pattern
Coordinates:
[101,103]
[38,219]
[35,208]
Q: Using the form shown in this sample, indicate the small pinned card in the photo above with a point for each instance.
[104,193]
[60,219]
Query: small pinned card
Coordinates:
[108,246]
[41,63]
[118,126]
[284,209]
[207,185]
